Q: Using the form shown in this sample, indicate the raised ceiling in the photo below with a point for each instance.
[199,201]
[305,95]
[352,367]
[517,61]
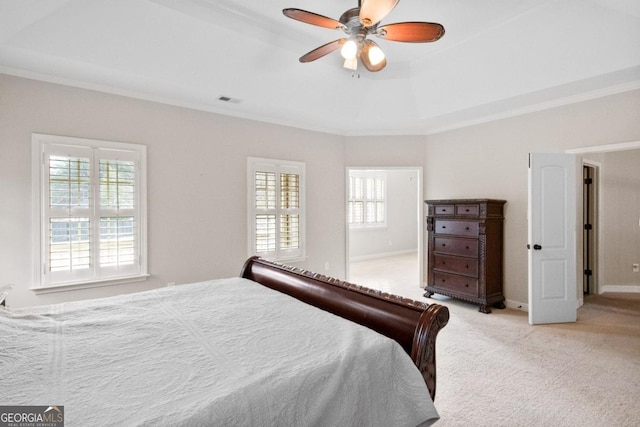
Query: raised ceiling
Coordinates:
[498,58]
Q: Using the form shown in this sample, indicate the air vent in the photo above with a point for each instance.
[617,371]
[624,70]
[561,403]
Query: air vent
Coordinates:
[228,99]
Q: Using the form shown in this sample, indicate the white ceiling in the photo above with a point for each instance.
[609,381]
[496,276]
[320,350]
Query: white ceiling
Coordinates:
[497,58]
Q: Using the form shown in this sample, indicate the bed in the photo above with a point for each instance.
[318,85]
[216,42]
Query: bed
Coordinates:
[228,352]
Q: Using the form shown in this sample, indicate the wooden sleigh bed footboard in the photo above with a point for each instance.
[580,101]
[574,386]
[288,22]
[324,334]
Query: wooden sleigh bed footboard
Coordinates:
[414,325]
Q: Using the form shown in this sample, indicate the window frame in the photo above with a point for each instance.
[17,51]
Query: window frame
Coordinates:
[365,175]
[41,146]
[256,164]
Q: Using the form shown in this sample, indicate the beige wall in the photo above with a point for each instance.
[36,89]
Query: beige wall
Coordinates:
[197,229]
[490,160]
[192,150]
[620,213]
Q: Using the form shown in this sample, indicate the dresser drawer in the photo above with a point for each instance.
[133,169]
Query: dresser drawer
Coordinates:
[451,264]
[458,284]
[468,210]
[458,228]
[464,247]
[444,210]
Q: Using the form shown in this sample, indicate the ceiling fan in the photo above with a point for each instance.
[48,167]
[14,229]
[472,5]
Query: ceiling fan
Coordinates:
[360,22]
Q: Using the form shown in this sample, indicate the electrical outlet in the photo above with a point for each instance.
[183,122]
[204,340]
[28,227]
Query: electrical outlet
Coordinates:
[635,268]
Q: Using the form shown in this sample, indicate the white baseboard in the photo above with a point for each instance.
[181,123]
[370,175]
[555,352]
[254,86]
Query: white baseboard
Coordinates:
[381,255]
[517,305]
[634,289]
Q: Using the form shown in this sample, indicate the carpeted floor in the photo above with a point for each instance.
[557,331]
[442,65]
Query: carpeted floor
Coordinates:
[497,370]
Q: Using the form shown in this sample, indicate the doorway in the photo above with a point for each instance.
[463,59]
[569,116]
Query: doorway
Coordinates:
[384,227]
[612,170]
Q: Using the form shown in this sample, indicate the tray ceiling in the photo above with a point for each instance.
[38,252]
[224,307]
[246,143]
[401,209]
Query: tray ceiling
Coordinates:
[498,58]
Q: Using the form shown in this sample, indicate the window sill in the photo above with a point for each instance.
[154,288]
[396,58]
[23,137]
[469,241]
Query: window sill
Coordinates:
[283,260]
[293,259]
[88,285]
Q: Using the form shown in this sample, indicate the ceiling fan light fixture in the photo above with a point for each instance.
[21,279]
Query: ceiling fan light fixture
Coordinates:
[351,64]
[349,49]
[376,55]
[372,56]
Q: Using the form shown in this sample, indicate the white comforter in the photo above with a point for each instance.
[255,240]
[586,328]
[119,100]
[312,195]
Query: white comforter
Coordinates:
[219,353]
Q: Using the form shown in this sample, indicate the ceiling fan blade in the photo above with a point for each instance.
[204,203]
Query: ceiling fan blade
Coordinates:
[323,50]
[372,56]
[373,11]
[312,18]
[411,32]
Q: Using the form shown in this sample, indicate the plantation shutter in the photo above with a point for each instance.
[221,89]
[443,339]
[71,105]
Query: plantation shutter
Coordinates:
[90,214]
[276,218]
[266,212]
[118,213]
[289,209]
[67,214]
[367,199]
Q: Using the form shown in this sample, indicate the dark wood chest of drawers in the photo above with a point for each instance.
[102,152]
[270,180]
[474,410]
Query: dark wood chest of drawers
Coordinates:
[464,256]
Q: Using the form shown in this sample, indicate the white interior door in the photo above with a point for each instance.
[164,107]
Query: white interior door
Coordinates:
[552,238]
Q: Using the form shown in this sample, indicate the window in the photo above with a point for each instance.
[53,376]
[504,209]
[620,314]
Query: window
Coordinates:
[89,211]
[276,209]
[367,199]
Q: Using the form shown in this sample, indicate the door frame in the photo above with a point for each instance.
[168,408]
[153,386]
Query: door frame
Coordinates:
[631,145]
[419,219]
[596,202]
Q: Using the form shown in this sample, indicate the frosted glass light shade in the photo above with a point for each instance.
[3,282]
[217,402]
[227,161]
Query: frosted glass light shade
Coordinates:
[376,55]
[372,56]
[349,49]
[351,64]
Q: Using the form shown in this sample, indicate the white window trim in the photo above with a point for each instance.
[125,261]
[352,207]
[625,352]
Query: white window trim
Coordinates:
[39,143]
[368,174]
[252,165]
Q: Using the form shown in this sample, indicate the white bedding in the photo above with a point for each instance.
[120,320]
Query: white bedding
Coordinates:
[218,353]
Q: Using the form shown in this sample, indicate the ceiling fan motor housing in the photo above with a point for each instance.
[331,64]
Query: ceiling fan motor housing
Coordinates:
[353,26]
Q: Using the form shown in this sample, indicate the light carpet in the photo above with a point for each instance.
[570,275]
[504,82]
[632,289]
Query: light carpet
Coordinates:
[497,370]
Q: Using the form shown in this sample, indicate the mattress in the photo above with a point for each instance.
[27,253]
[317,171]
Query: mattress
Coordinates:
[222,352]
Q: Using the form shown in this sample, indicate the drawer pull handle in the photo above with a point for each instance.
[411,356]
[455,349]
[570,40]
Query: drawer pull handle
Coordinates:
[466,228]
[443,245]
[467,285]
[467,247]
[444,226]
[466,210]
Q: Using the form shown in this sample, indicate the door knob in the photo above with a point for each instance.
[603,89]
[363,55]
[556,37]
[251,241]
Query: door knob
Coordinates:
[537,247]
